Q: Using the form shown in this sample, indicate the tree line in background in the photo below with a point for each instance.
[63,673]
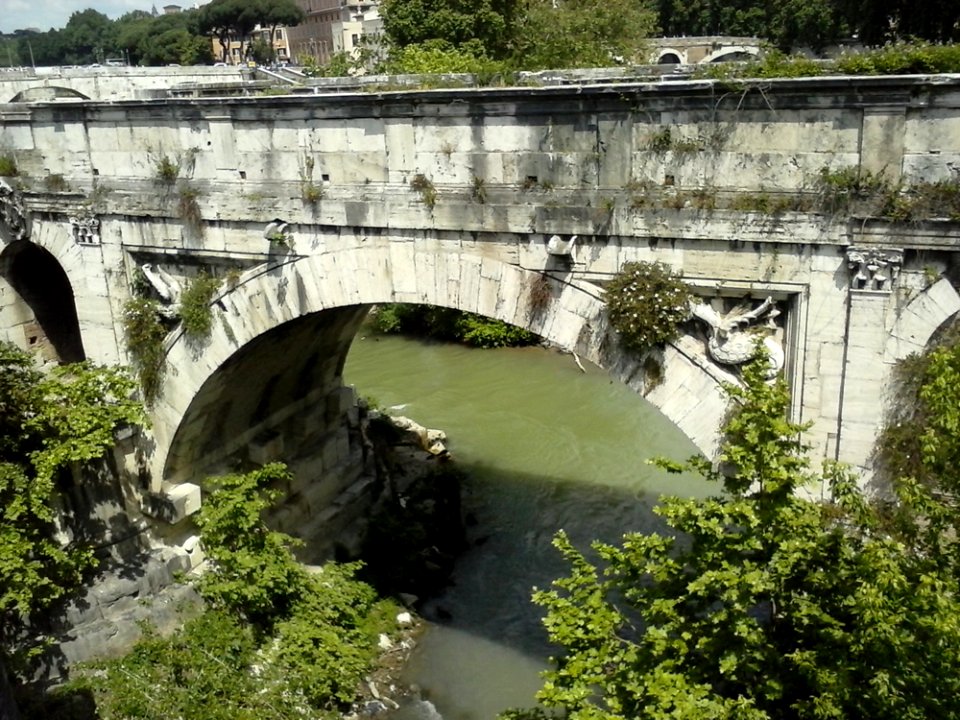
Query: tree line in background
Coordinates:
[478,35]
[141,38]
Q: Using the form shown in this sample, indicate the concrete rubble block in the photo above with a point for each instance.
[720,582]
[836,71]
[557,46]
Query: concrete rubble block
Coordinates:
[173,503]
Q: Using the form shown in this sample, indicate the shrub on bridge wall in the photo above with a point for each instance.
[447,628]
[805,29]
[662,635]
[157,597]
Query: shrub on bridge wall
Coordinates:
[423,185]
[895,59]
[196,313]
[167,170]
[189,209]
[646,304]
[8,166]
[850,190]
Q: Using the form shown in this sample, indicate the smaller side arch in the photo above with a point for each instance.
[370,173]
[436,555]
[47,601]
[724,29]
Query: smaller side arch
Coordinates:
[669,56]
[46,93]
[49,318]
[731,53]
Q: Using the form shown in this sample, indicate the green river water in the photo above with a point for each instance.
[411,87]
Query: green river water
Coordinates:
[545,446]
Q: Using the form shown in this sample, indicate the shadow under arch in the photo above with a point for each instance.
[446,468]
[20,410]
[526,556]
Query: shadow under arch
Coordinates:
[291,326]
[41,284]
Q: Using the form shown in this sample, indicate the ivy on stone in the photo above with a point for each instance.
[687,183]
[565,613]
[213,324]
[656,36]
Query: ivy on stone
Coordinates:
[646,304]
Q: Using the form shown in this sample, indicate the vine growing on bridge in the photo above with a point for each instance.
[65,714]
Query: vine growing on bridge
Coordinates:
[144,332]
[196,313]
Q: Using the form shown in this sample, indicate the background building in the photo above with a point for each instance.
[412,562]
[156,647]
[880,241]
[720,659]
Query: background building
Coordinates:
[333,26]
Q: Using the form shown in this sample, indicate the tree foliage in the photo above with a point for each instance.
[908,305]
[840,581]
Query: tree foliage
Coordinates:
[488,23]
[450,325]
[51,427]
[439,56]
[257,576]
[225,18]
[813,24]
[757,603]
[582,33]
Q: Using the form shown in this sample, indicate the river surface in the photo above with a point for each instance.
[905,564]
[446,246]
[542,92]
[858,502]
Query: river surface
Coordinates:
[545,447]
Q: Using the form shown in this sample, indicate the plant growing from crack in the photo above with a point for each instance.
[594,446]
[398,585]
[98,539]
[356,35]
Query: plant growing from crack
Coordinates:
[420,183]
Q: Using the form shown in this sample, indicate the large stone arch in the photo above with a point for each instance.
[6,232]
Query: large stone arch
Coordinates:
[342,283]
[37,298]
[919,319]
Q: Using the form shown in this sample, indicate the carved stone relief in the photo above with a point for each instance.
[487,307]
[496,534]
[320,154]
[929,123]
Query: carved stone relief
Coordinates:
[733,327]
[85,229]
[13,214]
[874,268]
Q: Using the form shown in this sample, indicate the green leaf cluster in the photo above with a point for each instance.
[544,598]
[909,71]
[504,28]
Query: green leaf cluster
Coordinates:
[449,325]
[899,58]
[257,575]
[486,24]
[646,304]
[758,603]
[433,57]
[582,33]
[324,624]
[52,426]
[495,36]
[921,437]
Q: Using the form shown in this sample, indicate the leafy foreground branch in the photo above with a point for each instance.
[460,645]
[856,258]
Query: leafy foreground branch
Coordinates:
[53,427]
[757,603]
[277,641]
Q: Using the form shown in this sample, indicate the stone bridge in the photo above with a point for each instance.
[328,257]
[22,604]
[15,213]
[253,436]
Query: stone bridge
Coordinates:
[311,209]
[115,83]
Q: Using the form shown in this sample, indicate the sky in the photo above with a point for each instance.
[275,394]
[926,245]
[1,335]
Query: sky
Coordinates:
[46,14]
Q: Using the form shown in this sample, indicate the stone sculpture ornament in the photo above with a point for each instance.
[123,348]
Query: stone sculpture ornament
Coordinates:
[13,214]
[733,335]
[167,288]
[85,230]
[874,268]
[562,248]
